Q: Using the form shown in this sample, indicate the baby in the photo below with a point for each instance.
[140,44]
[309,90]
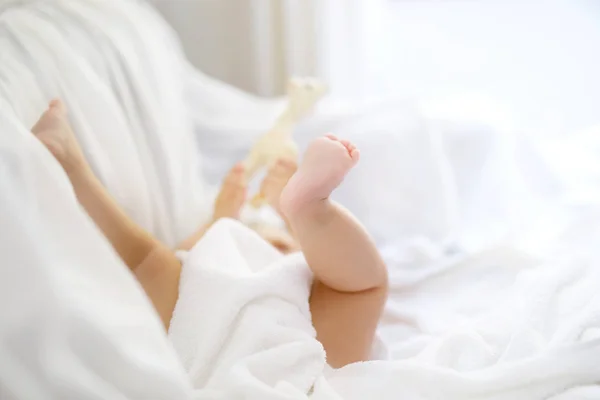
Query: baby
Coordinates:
[350,278]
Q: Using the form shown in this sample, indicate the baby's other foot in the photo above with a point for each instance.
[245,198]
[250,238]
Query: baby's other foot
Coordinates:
[277,178]
[324,166]
[232,196]
[54,131]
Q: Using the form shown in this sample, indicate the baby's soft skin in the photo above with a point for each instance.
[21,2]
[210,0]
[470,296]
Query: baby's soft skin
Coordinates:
[350,285]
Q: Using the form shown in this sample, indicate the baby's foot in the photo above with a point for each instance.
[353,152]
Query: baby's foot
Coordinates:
[232,196]
[277,178]
[325,164]
[54,131]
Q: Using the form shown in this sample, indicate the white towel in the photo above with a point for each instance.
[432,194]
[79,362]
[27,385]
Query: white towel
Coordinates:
[242,324]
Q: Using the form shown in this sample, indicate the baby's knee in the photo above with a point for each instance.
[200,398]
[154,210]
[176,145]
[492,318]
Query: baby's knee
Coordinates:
[378,279]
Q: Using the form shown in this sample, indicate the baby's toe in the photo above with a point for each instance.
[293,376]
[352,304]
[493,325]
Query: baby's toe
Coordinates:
[354,154]
[347,144]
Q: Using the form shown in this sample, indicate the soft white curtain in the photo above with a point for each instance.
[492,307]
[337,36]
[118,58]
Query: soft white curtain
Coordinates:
[258,44]
[339,41]
[536,73]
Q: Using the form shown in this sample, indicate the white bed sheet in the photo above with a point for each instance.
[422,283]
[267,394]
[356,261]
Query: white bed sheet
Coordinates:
[497,325]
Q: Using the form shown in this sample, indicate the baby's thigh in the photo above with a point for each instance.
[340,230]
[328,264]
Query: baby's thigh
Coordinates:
[346,322]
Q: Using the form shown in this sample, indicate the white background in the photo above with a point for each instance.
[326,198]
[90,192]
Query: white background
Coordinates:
[538,62]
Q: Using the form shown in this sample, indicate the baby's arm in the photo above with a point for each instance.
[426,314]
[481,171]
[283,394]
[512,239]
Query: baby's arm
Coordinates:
[154,264]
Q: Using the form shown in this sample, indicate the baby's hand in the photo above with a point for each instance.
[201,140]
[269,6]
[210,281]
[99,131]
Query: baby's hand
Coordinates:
[232,196]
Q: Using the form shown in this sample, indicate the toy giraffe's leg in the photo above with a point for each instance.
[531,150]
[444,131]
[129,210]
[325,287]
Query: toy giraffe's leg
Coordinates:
[252,164]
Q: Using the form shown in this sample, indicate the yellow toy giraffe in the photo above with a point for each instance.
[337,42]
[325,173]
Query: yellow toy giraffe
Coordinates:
[303,94]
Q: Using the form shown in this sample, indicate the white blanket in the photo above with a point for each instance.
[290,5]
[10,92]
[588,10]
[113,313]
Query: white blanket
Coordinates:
[242,325]
[74,324]
[497,325]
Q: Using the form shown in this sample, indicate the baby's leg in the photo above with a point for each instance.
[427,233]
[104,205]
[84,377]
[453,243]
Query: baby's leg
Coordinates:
[350,277]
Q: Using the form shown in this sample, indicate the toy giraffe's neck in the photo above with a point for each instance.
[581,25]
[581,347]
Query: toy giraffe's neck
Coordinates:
[285,123]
